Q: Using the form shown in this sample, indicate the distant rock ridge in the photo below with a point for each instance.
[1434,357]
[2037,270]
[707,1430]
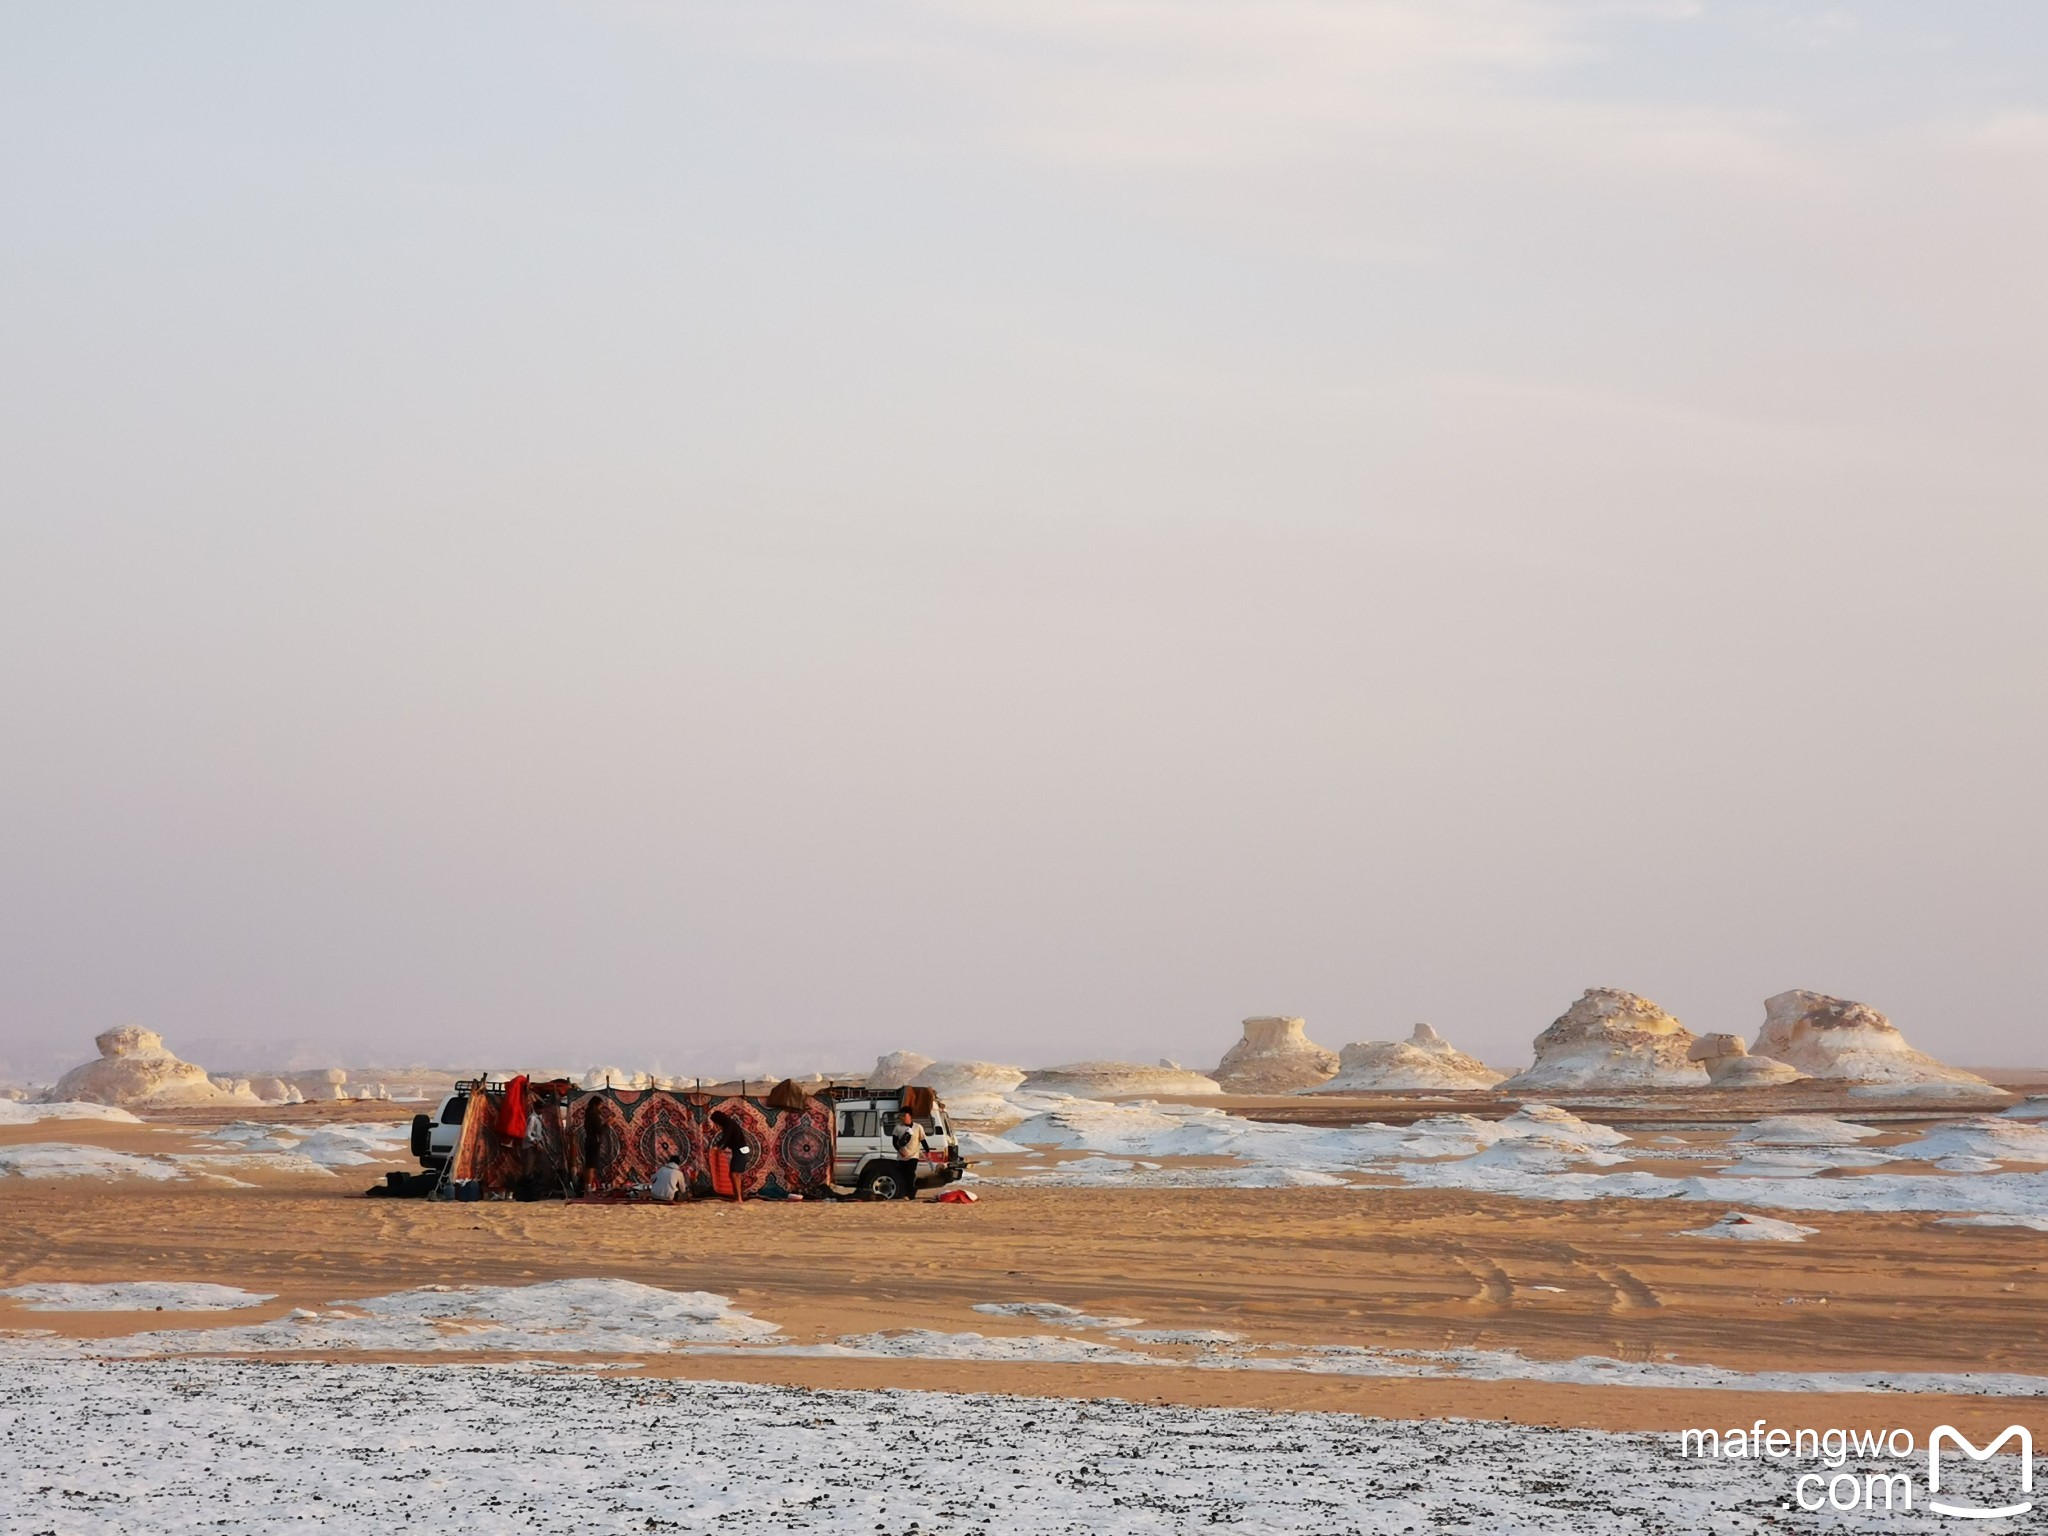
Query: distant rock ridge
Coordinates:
[1119,1080]
[1425,1060]
[1275,1055]
[954,1079]
[1612,1039]
[1831,1037]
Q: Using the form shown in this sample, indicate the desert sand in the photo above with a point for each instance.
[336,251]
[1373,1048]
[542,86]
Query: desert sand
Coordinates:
[1381,1267]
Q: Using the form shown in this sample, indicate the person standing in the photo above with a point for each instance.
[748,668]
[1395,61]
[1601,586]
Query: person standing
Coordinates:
[732,1153]
[908,1140]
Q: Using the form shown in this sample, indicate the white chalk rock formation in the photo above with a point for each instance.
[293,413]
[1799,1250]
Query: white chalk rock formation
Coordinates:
[134,1070]
[896,1069]
[1830,1037]
[1118,1080]
[1275,1056]
[1425,1060]
[616,1077]
[1612,1039]
[1729,1064]
[959,1079]
[321,1083]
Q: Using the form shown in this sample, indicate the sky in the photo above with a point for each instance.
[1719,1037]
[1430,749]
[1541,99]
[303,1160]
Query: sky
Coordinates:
[707,535]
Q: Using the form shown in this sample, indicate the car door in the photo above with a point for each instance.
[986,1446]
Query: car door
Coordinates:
[859,1138]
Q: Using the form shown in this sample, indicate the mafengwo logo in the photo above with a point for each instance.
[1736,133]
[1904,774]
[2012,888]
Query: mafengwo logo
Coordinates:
[1963,1443]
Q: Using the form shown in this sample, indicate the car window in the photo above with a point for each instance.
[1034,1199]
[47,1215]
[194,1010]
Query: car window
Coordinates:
[858,1122]
[452,1111]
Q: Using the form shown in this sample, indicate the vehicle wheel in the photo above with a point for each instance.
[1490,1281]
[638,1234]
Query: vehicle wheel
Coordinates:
[881,1184]
[422,1135]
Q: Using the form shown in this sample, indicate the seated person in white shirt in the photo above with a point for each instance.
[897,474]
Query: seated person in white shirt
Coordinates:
[668,1180]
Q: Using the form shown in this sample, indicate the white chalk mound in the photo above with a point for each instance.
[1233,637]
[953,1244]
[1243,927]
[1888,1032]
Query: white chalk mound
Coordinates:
[1118,1080]
[1830,1037]
[1805,1131]
[1729,1064]
[135,1071]
[1275,1055]
[1612,1039]
[896,1069]
[1990,1138]
[1424,1060]
[135,1296]
[1746,1228]
[13,1113]
[950,1079]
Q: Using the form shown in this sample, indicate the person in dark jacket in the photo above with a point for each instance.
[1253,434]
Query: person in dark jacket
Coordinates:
[737,1148]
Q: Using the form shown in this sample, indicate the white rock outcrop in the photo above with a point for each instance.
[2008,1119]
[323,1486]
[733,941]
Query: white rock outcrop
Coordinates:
[1612,1039]
[1275,1055]
[959,1079]
[896,1069]
[134,1070]
[1119,1080]
[1830,1037]
[1729,1064]
[616,1077]
[320,1083]
[1425,1060]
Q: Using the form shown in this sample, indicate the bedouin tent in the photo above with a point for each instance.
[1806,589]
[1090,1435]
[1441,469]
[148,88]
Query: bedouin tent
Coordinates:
[611,1140]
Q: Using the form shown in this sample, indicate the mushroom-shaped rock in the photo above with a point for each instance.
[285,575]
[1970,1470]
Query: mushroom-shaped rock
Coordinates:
[1118,1080]
[1275,1056]
[1729,1064]
[135,1070]
[896,1069]
[1831,1037]
[1612,1039]
[1425,1060]
[949,1079]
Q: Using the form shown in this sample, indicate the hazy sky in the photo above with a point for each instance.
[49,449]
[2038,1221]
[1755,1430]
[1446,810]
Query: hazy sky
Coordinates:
[757,533]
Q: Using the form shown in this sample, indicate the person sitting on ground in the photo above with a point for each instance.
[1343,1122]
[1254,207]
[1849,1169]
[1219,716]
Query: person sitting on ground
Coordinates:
[668,1180]
[908,1139]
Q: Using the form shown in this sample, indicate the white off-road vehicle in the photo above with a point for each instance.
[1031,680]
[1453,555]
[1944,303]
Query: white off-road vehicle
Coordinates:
[434,1136]
[863,1156]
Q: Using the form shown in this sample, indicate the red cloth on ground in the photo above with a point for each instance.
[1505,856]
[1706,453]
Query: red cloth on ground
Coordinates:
[512,1114]
[721,1175]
